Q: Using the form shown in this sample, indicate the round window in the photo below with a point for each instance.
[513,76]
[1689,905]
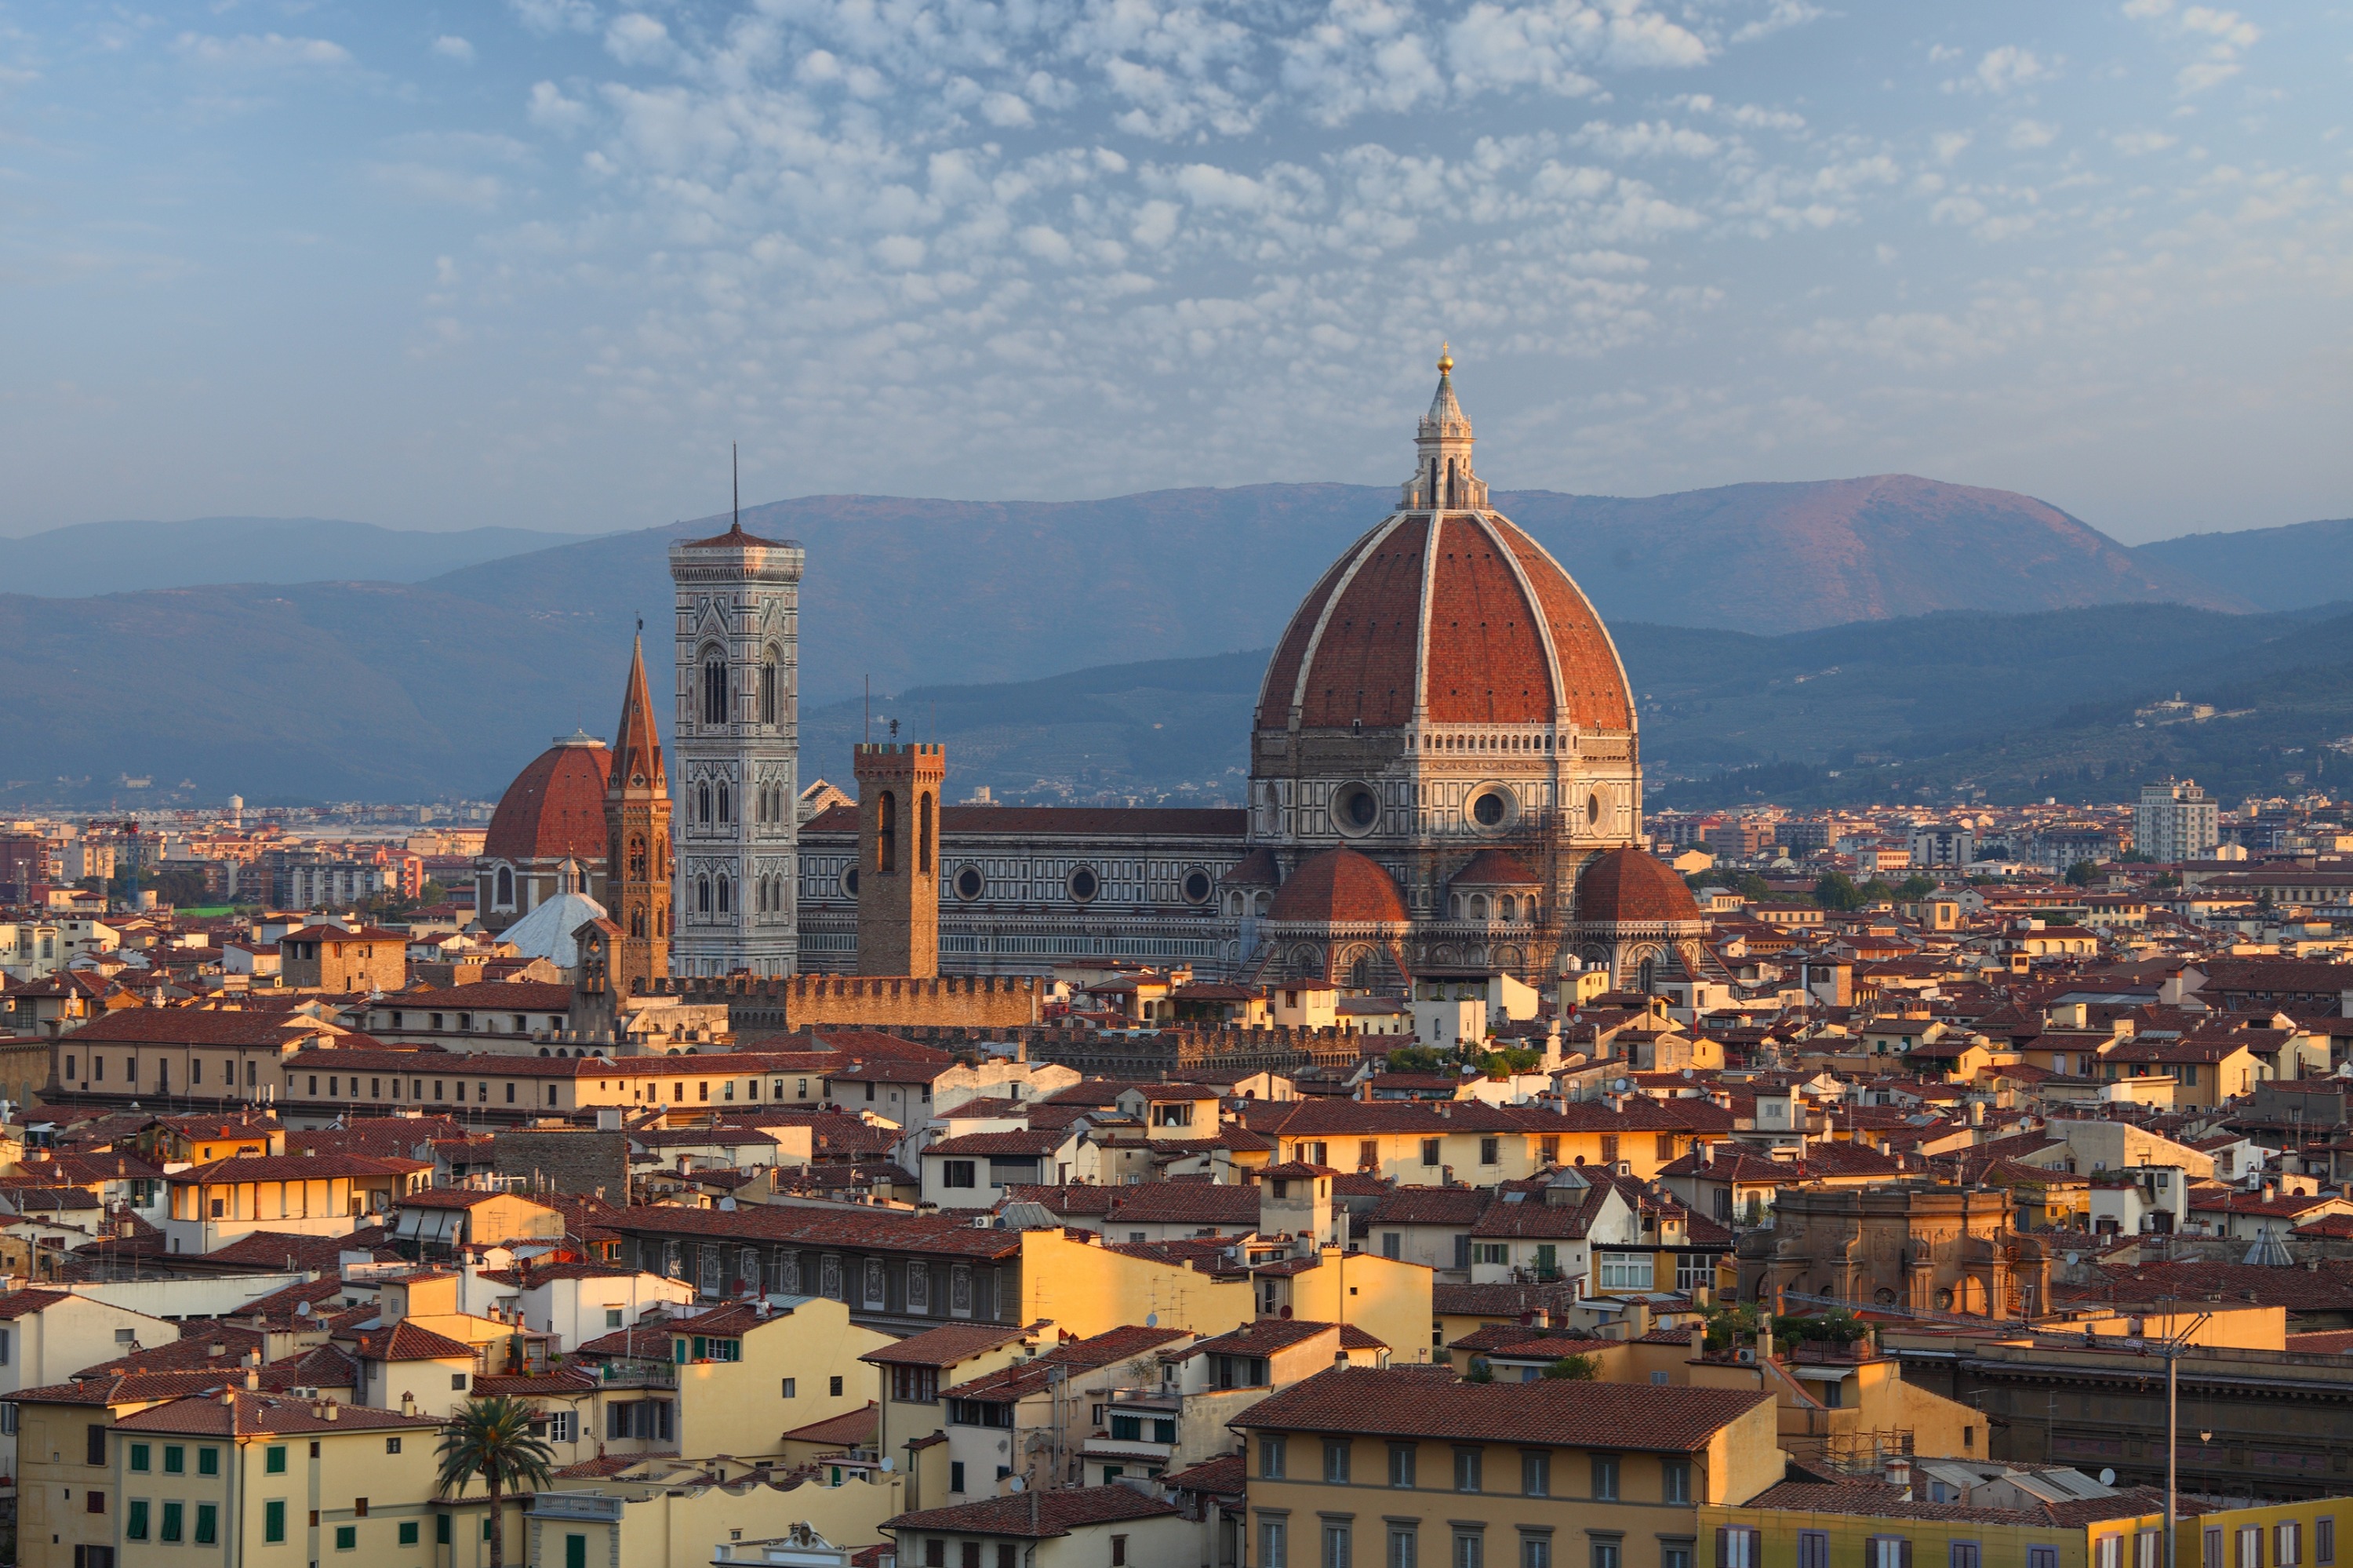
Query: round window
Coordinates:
[1197,887]
[1359,808]
[849,882]
[1593,808]
[1084,883]
[969,882]
[1489,809]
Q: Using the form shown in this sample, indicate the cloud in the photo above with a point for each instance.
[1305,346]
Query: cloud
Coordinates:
[548,16]
[2140,143]
[260,51]
[439,186]
[550,111]
[2026,135]
[635,38]
[2010,68]
[450,46]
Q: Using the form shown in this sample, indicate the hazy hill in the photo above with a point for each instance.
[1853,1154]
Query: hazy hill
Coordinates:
[2273,568]
[908,591]
[119,557]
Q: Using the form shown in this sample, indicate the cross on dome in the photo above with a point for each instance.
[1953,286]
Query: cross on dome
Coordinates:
[1442,478]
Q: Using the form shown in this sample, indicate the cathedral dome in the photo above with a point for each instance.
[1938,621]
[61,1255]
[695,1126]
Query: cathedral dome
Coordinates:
[556,807]
[1448,609]
[1339,888]
[1633,887]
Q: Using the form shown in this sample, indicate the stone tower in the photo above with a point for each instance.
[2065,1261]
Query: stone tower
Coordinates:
[898,859]
[738,744]
[637,846]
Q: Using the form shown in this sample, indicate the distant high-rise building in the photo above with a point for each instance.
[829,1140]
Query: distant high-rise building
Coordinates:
[738,744]
[2175,821]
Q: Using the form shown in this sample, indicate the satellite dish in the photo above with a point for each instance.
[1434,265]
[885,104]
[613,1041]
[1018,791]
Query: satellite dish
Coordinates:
[2107,1477]
[889,1464]
[2072,1258]
[1152,1320]
[1017,1483]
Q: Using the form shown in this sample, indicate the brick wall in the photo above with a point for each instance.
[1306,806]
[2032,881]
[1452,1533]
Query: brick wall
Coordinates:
[579,1160]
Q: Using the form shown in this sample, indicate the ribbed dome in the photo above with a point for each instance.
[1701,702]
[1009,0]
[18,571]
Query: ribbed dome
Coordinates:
[1339,887]
[556,806]
[1495,868]
[1633,887]
[1454,608]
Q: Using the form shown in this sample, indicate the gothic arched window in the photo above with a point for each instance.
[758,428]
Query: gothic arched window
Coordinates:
[638,862]
[724,814]
[506,887]
[923,834]
[723,894]
[886,832]
[769,694]
[703,895]
[714,688]
[702,803]
[636,922]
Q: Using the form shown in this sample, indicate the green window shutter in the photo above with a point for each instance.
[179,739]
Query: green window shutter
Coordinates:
[575,1551]
[441,1530]
[273,1520]
[208,1522]
[347,1537]
[408,1532]
[134,1523]
[273,1461]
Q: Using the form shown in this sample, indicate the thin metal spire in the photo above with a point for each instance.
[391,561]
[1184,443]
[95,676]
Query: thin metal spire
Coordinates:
[735,473]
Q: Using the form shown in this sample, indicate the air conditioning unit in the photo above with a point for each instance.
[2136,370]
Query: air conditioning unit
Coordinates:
[1745,1356]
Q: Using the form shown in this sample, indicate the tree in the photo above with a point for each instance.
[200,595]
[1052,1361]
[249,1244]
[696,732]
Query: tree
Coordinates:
[1480,1371]
[2081,873]
[490,1438]
[1574,1368]
[1416,1059]
[1511,1059]
[1838,891]
[1916,887]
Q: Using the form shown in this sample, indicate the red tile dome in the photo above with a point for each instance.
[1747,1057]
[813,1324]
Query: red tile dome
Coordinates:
[556,806]
[1633,887]
[1339,888]
[1451,605]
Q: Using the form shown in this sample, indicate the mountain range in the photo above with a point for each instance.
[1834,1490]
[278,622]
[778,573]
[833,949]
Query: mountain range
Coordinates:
[1091,642]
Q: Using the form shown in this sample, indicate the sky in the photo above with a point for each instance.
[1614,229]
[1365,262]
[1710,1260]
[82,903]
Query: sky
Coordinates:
[539,263]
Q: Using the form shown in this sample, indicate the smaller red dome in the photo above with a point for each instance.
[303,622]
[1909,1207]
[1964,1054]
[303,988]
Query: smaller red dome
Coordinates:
[556,807]
[1339,888]
[1495,868]
[1633,887]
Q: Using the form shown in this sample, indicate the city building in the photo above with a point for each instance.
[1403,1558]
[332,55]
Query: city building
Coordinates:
[2175,821]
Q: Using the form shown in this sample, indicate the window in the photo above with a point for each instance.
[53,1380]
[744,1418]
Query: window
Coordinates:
[1674,1554]
[93,1502]
[140,1453]
[916,1385]
[1490,1150]
[1270,1458]
[2324,1540]
[1674,1480]
[1466,1469]
[1493,1252]
[440,1530]
[175,1459]
[134,1520]
[792,1387]
[936,1554]
[2250,1553]
[347,1537]
[575,1551]
[408,1532]
[1605,1551]
[1469,1549]
[2213,1558]
[1403,1546]
[1735,1547]
[274,1460]
[1401,1459]
[1604,1481]
[563,1426]
[956,1173]
[1960,1555]
[1273,1542]
[1118,1542]
[208,1460]
[208,1524]
[1336,1543]
[1625,1271]
[1536,1550]
[1392,1244]
[956,1474]
[2287,1543]
[273,1520]
[1335,1459]
[1895,1551]
[1813,1548]
[1536,1473]
[2149,1550]
[714,689]
[833,1388]
[175,1521]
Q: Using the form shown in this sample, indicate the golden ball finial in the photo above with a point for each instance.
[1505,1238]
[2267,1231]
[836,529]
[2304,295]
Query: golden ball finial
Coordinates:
[1445,358]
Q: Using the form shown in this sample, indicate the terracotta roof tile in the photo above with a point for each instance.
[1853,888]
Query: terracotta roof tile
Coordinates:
[1431,1402]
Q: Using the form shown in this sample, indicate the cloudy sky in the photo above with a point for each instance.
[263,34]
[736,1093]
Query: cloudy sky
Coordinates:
[538,262]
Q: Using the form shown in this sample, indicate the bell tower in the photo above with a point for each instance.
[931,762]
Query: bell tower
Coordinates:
[898,859]
[637,846]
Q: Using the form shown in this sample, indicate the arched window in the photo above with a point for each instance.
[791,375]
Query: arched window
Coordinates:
[506,887]
[1478,907]
[723,894]
[661,859]
[769,697]
[1508,907]
[923,834]
[637,922]
[714,688]
[703,804]
[724,814]
[703,895]
[886,832]
[1650,975]
[637,861]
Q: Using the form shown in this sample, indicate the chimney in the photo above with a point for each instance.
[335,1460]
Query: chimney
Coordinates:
[1699,1340]
[408,1402]
[252,1378]
[1898,1471]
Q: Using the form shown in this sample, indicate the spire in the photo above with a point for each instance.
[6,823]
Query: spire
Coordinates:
[636,745]
[735,481]
[1442,479]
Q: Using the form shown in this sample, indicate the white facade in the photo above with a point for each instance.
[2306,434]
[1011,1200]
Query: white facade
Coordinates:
[47,1337]
[2175,821]
[737,744]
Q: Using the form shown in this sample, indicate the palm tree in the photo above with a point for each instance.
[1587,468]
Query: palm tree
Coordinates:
[492,1438]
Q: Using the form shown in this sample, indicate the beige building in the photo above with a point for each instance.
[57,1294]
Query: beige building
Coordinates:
[339,959]
[1417,1465]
